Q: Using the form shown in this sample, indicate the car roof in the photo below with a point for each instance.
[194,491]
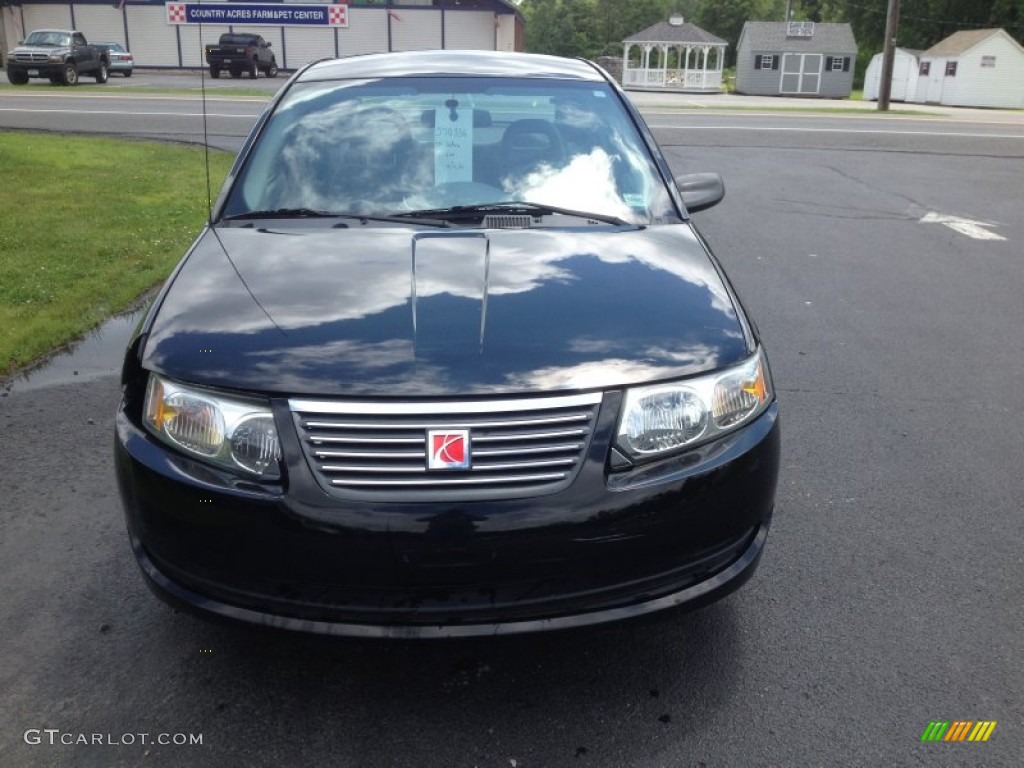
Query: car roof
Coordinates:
[456,63]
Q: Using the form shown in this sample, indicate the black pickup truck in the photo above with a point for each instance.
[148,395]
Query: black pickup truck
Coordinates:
[62,55]
[239,52]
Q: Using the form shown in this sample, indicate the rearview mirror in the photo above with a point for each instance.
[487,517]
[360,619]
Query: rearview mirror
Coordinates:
[700,190]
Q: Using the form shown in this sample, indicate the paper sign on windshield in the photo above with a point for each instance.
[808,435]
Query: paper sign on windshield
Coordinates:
[453,143]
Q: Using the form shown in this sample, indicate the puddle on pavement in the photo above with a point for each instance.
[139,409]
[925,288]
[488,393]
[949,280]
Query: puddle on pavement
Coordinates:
[99,353]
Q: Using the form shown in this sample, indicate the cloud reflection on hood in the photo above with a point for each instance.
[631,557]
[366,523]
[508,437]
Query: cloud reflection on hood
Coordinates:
[522,310]
[304,277]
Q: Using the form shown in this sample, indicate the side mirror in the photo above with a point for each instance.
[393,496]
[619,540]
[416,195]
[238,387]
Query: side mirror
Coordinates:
[700,190]
[268,44]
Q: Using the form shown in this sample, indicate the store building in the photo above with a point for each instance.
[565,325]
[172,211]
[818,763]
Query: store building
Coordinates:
[171,35]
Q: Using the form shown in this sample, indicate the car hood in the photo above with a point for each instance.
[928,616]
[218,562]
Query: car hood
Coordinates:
[47,49]
[373,311]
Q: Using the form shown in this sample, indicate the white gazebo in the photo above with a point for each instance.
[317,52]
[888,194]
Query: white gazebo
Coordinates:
[673,56]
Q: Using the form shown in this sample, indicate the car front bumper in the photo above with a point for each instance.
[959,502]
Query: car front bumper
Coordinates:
[683,531]
[42,69]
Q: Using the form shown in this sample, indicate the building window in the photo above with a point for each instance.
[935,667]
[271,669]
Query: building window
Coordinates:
[765,61]
[950,69]
[800,29]
[988,61]
[926,67]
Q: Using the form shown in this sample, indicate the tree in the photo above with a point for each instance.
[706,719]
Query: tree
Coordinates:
[726,18]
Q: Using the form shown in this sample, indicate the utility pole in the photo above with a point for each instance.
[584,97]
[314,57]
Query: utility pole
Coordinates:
[892,24]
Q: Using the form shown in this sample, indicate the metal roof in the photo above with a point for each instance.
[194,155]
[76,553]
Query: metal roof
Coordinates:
[961,42]
[452,62]
[664,32]
[771,36]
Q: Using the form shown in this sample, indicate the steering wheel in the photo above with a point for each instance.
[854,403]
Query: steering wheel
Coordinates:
[528,144]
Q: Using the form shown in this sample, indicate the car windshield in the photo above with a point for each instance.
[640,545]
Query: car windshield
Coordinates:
[237,40]
[400,145]
[48,37]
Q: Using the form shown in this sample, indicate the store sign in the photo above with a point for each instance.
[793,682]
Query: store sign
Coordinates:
[273,14]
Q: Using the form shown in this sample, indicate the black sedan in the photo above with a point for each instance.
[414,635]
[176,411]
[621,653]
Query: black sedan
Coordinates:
[449,359]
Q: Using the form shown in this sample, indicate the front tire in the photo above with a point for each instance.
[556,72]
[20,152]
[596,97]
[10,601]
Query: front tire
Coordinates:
[214,72]
[102,74]
[254,69]
[272,69]
[69,74]
[17,77]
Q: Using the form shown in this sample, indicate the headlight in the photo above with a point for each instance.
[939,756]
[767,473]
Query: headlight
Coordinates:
[232,432]
[667,417]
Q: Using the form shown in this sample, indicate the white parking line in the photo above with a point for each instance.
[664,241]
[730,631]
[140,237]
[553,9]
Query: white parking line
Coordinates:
[795,129]
[133,113]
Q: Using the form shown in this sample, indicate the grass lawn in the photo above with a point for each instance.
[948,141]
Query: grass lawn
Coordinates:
[86,226]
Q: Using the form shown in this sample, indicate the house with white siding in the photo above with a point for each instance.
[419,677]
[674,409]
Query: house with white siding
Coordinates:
[904,76]
[973,68]
[795,58]
[169,35]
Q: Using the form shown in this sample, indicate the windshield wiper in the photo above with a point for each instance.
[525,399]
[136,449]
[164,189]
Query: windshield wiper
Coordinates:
[280,213]
[310,213]
[480,210]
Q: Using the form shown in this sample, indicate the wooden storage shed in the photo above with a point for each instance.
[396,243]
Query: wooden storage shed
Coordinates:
[973,68]
[796,58]
[904,76]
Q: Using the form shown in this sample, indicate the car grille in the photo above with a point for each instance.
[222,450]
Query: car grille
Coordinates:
[521,447]
[31,58]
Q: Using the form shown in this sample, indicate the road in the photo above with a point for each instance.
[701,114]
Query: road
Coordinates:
[123,107]
[890,594]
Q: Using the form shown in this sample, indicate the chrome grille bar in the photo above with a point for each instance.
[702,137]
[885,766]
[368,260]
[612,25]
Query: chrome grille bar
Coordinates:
[462,424]
[457,481]
[528,451]
[516,447]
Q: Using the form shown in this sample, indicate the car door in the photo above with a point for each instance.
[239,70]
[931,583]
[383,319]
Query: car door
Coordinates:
[83,54]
